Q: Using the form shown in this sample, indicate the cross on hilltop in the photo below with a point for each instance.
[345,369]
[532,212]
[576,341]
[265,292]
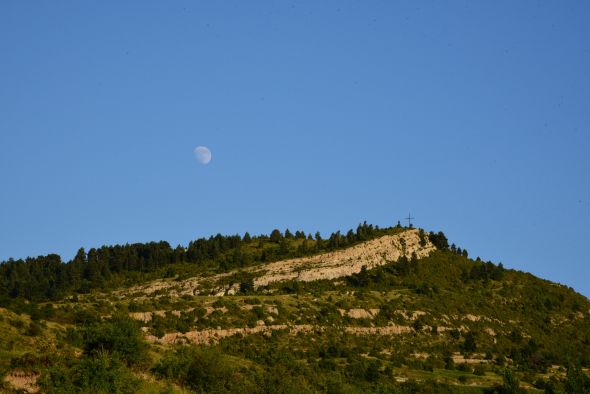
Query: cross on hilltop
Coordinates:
[409,218]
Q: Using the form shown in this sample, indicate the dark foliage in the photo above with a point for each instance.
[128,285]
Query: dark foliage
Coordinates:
[203,370]
[439,240]
[119,335]
[103,373]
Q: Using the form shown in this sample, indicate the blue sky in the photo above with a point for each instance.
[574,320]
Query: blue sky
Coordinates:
[472,115]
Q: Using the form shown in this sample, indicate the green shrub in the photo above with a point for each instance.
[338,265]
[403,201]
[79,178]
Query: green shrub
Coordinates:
[16,323]
[100,374]
[510,385]
[469,345]
[258,311]
[34,329]
[120,335]
[31,362]
[479,370]
[202,370]
[372,371]
[576,380]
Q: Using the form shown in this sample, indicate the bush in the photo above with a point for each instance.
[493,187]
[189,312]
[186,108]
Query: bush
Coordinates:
[120,335]
[479,370]
[16,323]
[100,374]
[258,311]
[31,362]
[510,385]
[34,329]
[469,345]
[576,380]
[202,370]
[448,360]
[372,372]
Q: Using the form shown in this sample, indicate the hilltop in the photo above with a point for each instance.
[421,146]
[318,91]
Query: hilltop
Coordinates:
[388,310]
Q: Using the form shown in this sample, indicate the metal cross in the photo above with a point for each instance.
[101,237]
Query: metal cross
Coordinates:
[409,218]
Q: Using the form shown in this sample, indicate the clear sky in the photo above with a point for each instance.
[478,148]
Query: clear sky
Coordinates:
[474,116]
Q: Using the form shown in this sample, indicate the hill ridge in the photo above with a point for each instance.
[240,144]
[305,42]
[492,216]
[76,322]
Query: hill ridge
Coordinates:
[410,243]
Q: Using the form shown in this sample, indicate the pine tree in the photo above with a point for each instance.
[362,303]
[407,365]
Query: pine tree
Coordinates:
[275,236]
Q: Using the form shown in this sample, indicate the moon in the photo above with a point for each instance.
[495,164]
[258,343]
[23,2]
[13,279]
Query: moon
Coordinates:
[202,154]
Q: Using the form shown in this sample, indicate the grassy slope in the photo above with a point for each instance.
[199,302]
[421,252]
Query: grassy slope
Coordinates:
[519,321]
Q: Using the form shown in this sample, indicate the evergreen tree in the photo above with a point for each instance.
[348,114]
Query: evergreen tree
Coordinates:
[469,344]
[284,247]
[577,381]
[299,235]
[275,236]
[350,237]
[439,240]
[510,385]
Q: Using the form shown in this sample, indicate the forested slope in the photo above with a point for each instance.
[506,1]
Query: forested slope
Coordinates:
[372,310]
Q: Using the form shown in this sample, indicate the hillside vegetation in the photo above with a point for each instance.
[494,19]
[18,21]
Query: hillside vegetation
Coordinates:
[392,310]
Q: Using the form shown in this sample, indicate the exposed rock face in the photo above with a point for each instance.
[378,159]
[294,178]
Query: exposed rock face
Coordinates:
[387,330]
[331,265]
[359,313]
[141,316]
[210,336]
[23,381]
[272,310]
[347,261]
[147,316]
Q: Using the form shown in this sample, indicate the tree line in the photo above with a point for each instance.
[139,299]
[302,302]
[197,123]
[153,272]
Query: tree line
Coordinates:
[50,278]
